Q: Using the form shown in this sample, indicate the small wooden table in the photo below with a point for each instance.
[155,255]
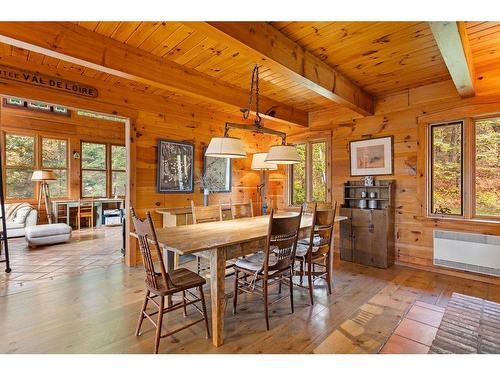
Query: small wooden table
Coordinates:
[220,241]
[98,202]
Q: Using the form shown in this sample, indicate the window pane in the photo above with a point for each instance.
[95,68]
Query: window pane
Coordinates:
[319,171]
[299,177]
[19,184]
[54,153]
[488,167]
[93,183]
[118,157]
[59,187]
[118,183]
[93,156]
[19,150]
[447,169]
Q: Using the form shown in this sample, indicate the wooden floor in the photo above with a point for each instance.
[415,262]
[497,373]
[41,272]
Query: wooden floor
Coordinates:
[96,312]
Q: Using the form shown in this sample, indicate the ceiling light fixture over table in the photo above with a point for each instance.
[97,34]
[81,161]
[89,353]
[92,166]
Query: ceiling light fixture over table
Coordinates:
[229,147]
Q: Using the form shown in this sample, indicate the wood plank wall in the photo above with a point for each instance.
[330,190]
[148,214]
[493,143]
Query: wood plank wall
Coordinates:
[400,116]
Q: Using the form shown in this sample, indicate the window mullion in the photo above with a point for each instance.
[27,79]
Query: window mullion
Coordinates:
[309,194]
[468,168]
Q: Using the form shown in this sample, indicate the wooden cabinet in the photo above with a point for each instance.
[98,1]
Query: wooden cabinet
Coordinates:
[367,236]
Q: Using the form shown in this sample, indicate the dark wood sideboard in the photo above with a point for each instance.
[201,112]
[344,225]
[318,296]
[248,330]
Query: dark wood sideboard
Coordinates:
[367,236]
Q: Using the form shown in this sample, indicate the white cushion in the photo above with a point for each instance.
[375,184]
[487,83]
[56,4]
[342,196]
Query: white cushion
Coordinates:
[21,215]
[255,262]
[14,225]
[46,230]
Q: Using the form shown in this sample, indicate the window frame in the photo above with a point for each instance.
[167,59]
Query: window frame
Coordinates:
[308,139]
[67,169]
[468,170]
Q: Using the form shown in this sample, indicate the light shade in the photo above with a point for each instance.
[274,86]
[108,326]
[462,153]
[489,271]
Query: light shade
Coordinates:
[283,154]
[43,175]
[259,162]
[226,147]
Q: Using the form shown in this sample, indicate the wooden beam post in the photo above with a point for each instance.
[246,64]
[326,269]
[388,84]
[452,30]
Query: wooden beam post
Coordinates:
[267,45]
[77,45]
[451,38]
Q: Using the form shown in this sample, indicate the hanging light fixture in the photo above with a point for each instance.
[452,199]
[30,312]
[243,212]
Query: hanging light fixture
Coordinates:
[259,162]
[228,147]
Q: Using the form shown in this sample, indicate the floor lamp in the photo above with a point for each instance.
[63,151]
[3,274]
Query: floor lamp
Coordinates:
[259,164]
[43,176]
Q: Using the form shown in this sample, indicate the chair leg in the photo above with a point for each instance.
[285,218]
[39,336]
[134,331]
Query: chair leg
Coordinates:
[141,316]
[266,307]
[329,273]
[184,302]
[279,287]
[204,307]
[310,282]
[302,271]
[198,264]
[159,324]
[291,291]
[235,292]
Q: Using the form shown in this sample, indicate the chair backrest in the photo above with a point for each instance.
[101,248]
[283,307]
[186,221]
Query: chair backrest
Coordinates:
[309,207]
[242,209]
[282,237]
[146,234]
[321,236]
[85,206]
[205,214]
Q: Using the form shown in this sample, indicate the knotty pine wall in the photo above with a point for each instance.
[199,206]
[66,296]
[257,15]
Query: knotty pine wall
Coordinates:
[401,116]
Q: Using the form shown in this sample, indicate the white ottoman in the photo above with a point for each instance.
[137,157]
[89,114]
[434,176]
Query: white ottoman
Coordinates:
[47,234]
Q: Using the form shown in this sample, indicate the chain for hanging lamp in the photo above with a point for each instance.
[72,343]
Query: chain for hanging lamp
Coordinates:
[254,87]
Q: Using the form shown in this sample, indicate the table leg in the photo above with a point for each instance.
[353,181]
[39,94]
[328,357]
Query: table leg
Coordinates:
[168,257]
[217,279]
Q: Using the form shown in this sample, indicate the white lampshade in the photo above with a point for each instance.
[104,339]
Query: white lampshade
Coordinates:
[283,154]
[259,162]
[226,147]
[43,175]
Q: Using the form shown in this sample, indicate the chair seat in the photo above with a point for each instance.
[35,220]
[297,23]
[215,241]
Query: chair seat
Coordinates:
[255,262]
[317,241]
[182,279]
[303,248]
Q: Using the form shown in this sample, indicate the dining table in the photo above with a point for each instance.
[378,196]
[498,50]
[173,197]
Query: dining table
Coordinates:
[218,242]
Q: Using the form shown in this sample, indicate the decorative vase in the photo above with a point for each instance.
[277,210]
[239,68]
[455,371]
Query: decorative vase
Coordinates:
[205,197]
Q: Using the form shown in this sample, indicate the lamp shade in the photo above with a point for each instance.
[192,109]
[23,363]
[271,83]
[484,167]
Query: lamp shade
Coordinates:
[226,147]
[259,163]
[283,154]
[43,175]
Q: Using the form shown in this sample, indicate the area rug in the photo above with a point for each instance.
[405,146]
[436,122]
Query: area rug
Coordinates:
[469,325]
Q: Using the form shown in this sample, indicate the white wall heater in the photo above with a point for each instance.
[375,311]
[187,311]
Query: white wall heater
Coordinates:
[467,251]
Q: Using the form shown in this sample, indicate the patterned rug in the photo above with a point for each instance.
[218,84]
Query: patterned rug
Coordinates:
[469,325]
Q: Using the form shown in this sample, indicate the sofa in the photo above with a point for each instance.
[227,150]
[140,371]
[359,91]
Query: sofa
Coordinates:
[19,216]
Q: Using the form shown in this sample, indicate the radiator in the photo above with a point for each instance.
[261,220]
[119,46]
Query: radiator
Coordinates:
[467,251]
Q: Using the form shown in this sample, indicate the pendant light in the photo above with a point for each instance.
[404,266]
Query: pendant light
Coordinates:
[228,147]
[259,163]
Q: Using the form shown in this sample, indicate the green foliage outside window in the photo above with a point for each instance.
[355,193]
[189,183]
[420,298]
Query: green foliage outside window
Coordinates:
[93,169]
[20,163]
[319,177]
[299,177]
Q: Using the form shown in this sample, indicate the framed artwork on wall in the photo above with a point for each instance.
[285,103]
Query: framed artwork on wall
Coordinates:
[371,157]
[175,168]
[217,173]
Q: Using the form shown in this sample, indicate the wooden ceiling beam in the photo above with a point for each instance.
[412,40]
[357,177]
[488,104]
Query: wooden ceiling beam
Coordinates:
[453,43]
[77,45]
[267,45]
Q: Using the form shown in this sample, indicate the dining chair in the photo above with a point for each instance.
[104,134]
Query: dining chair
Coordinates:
[317,249]
[241,209]
[162,284]
[205,214]
[85,210]
[271,266]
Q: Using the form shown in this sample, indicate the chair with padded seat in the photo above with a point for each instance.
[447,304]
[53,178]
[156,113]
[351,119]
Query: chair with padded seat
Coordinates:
[272,265]
[162,284]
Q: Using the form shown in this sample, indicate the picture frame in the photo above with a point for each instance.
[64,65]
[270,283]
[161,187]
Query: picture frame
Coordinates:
[175,167]
[218,167]
[372,157]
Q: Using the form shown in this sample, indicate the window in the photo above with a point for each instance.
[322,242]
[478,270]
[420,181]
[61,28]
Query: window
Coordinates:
[487,167]
[55,157]
[94,170]
[309,179]
[19,165]
[118,170]
[465,169]
[446,169]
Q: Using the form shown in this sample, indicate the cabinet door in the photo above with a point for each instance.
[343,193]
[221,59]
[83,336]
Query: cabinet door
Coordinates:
[346,239]
[362,245]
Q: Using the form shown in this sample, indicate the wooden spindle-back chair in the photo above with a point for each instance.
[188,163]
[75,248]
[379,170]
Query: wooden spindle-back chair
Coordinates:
[317,249]
[85,210]
[273,265]
[162,284]
[241,209]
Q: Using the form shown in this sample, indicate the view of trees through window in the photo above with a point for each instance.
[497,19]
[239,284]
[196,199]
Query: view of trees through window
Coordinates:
[55,157]
[319,172]
[93,169]
[118,170]
[20,163]
[299,177]
[447,169]
[487,165]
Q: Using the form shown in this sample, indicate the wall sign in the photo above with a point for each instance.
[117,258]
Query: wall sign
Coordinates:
[41,80]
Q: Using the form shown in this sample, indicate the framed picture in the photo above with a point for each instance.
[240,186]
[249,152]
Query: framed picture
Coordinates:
[217,173]
[175,169]
[371,157]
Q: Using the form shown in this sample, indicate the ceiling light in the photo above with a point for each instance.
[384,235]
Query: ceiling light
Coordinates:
[283,154]
[226,147]
[259,163]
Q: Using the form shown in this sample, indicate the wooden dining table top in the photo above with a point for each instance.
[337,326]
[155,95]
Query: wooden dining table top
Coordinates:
[187,239]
